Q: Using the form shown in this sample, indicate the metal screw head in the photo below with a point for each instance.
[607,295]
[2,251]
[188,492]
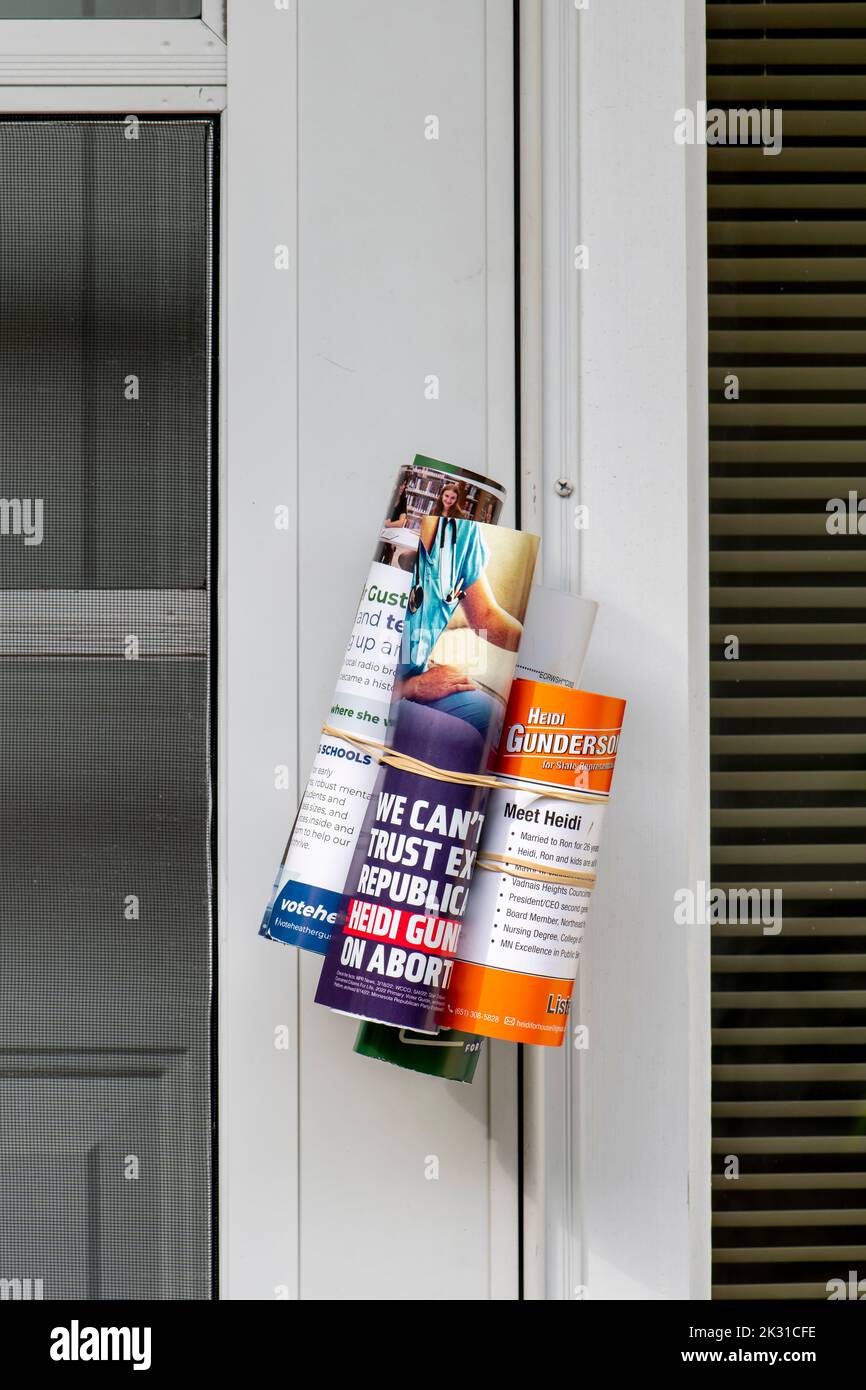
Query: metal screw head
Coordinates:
[563,487]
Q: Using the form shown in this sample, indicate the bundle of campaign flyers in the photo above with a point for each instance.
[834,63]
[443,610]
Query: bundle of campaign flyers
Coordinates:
[444,852]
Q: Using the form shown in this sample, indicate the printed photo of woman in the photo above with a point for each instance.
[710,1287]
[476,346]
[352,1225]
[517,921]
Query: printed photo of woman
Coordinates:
[451,501]
[398,509]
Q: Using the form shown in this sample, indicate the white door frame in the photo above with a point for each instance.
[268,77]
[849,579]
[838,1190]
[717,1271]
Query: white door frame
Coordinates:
[596,362]
[271,1134]
[180,67]
[115,68]
[91,63]
[185,67]
[473,1133]
[258,705]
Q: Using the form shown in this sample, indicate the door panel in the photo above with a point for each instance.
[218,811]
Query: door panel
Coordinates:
[105,240]
[406,272]
[105,1037]
[399,264]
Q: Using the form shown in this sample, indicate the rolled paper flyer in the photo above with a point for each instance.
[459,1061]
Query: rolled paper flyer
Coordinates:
[553,650]
[520,946]
[307,892]
[391,957]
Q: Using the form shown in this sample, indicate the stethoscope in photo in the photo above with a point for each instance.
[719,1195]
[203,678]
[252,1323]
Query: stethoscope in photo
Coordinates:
[445,543]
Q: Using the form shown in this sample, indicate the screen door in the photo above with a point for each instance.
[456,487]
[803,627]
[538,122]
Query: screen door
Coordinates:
[105,795]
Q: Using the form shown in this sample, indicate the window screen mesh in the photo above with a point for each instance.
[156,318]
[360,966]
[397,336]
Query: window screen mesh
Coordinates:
[787,257]
[105,1033]
[104,295]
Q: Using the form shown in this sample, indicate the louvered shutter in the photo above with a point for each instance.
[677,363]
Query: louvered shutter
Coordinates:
[787,295]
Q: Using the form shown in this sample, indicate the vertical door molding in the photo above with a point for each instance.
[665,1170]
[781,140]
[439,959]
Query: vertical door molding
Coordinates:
[550,455]
[500,39]
[616,1157]
[698,478]
[401,254]
[257,701]
[406,215]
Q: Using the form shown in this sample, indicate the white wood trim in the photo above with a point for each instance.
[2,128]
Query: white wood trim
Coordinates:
[257,710]
[259,1110]
[549,110]
[530,143]
[560,313]
[112,101]
[213,14]
[574,1239]
[700,1085]
[500,328]
[531,517]
[91,53]
[450,284]
[560,1069]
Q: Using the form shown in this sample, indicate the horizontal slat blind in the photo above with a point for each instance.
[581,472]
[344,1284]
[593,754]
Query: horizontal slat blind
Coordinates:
[787,303]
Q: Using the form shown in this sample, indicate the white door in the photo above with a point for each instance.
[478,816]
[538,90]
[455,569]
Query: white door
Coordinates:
[369,149]
[361,161]
[353,193]
[107,234]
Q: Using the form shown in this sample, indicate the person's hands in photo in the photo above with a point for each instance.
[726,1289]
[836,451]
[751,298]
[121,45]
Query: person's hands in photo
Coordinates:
[437,682]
